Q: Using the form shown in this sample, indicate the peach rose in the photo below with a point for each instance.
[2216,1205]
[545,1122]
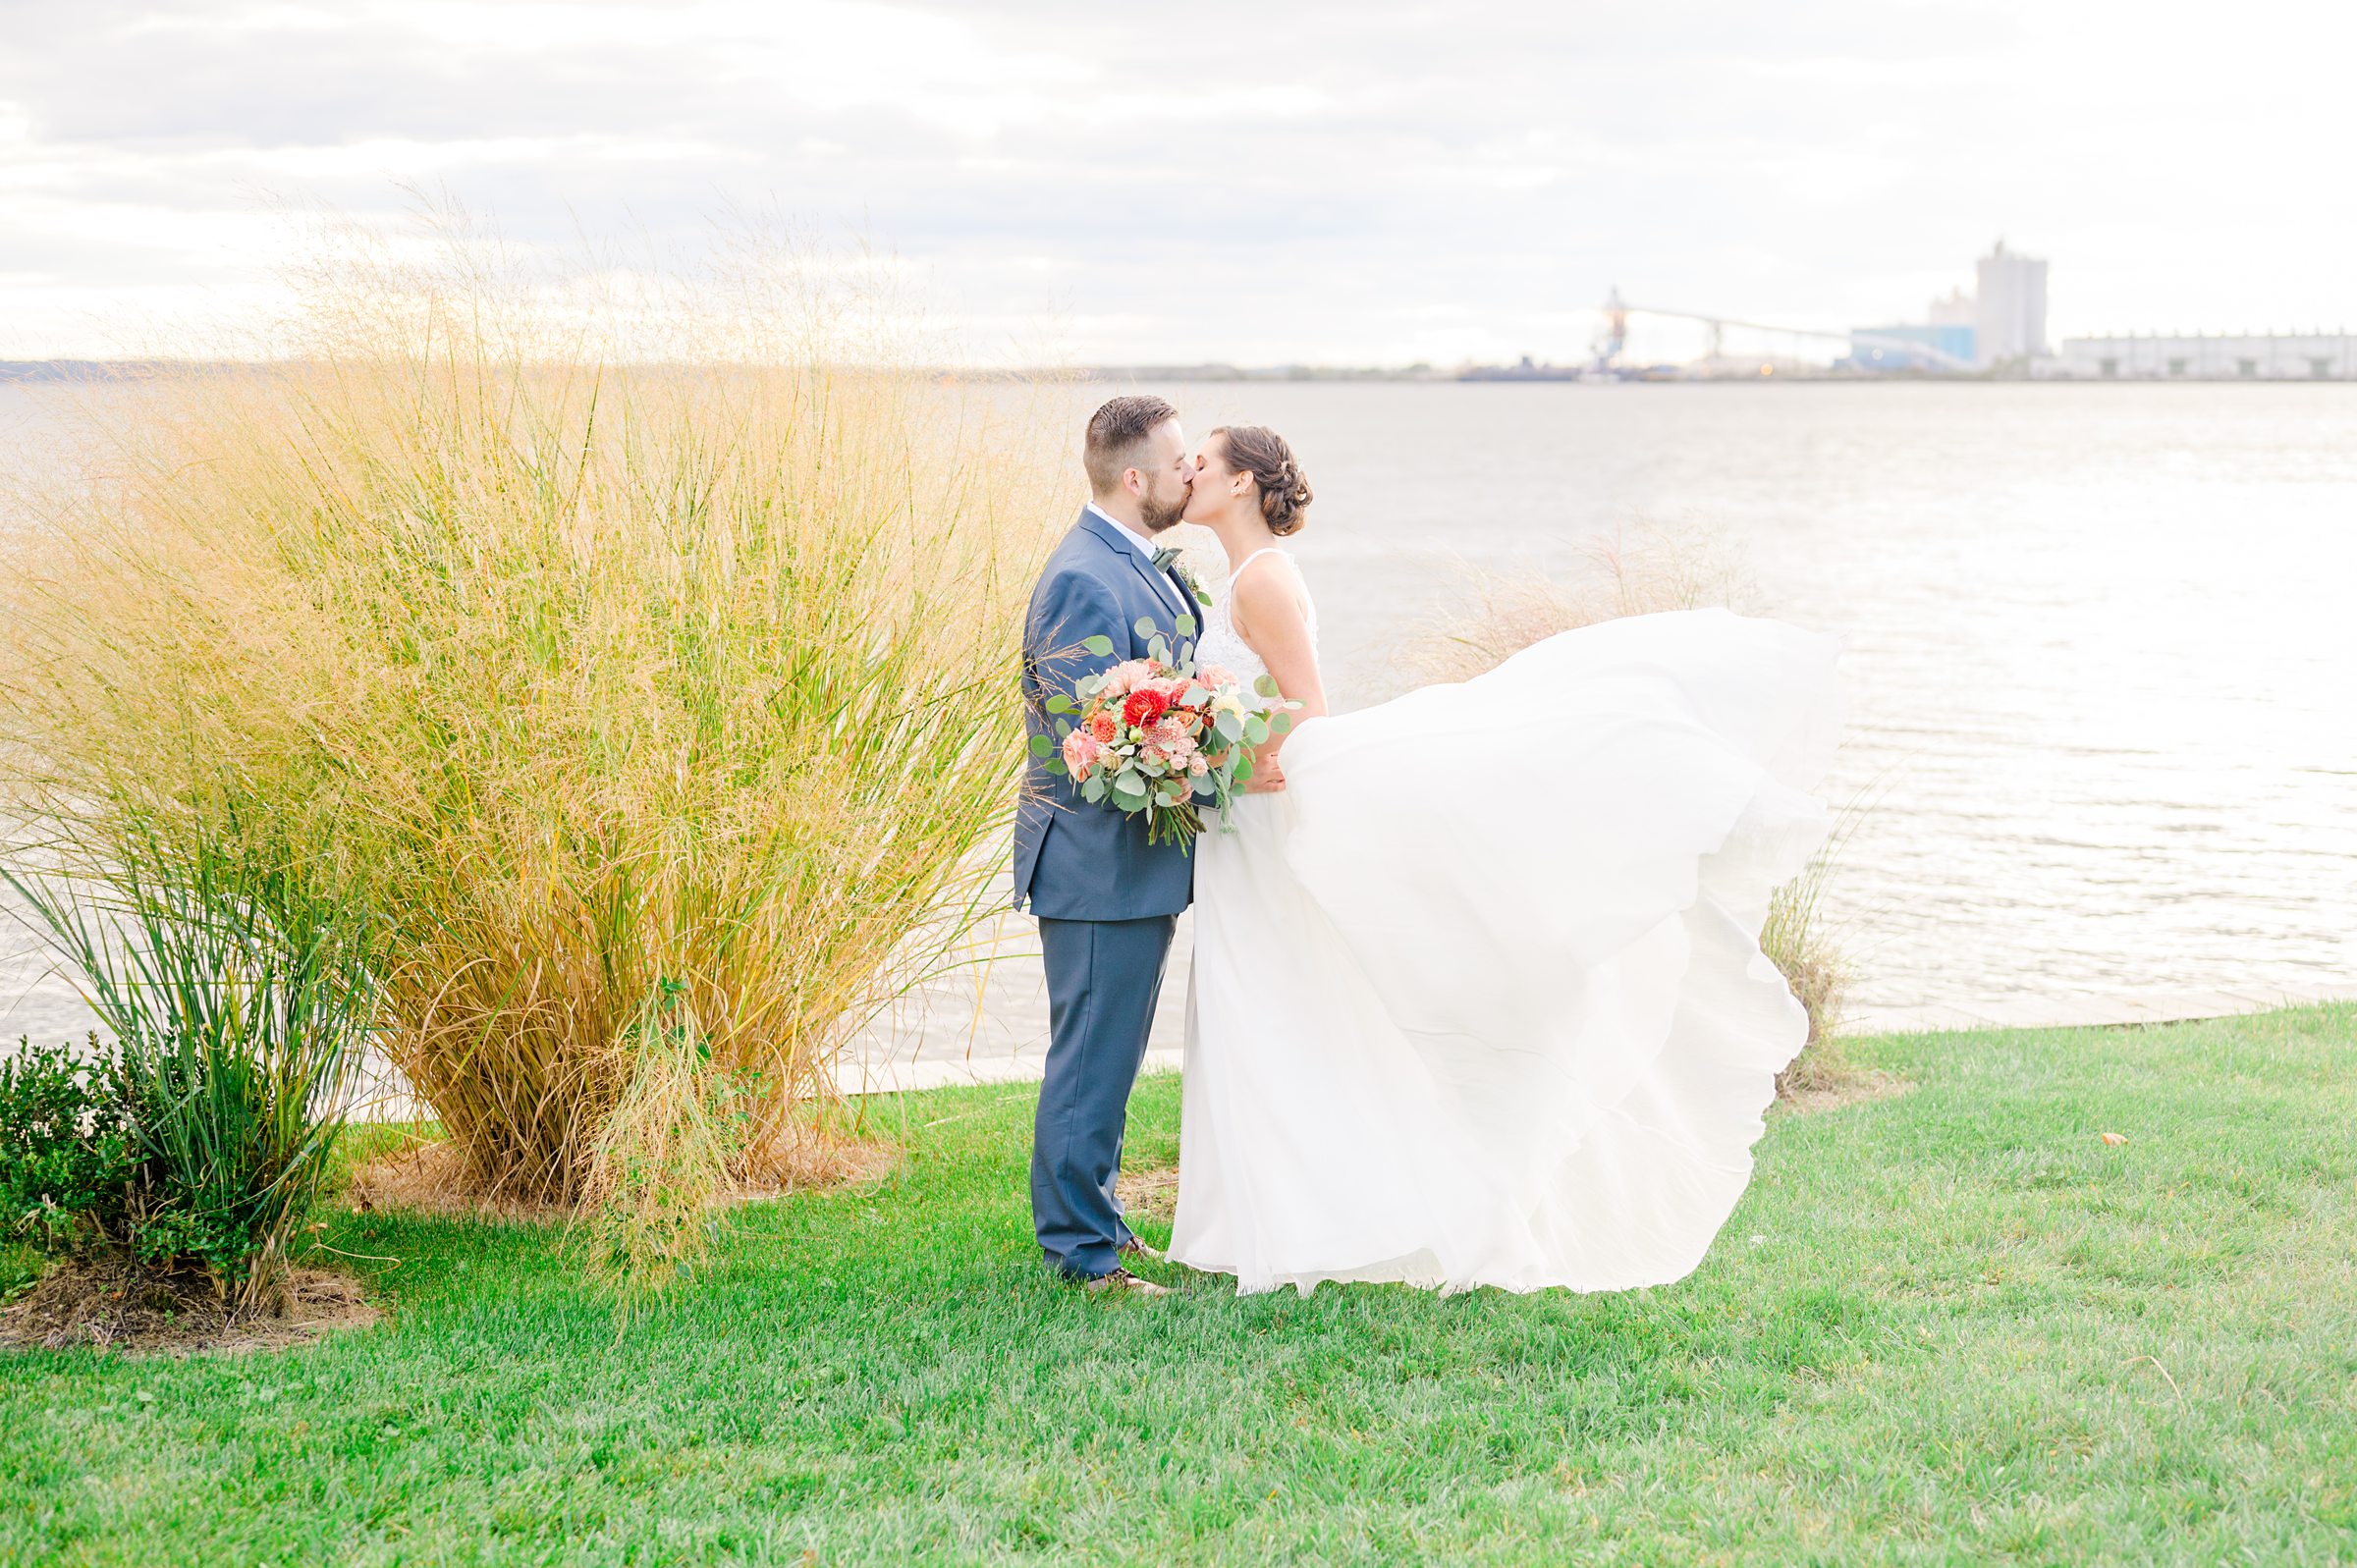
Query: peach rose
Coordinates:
[1127,677]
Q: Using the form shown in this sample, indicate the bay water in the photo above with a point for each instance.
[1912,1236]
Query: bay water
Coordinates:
[2101,650]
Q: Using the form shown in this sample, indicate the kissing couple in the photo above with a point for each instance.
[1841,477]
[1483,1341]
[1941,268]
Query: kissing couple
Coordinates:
[1477,995]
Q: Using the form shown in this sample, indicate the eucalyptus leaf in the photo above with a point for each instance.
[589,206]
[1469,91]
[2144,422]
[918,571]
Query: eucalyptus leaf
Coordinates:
[1187,625]
[1145,626]
[1041,745]
[1244,768]
[1159,650]
[1064,726]
[1266,685]
[1256,730]
[1092,789]
[1059,703]
[1056,766]
[1101,646]
[1230,729]
[1280,723]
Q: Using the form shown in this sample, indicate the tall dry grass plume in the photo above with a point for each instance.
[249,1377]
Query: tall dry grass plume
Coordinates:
[611,648]
[1799,941]
[1656,570]
[1499,616]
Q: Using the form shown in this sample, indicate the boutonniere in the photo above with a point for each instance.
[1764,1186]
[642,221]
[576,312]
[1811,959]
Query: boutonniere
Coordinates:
[1186,580]
[1167,560]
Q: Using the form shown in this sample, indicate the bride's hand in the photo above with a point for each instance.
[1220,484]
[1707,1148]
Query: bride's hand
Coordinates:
[1268,776]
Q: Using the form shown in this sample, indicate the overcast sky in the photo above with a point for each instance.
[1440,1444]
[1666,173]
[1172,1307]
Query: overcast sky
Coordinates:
[1266,183]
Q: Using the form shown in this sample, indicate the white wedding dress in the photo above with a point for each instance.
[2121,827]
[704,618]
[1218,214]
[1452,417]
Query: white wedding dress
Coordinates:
[1478,999]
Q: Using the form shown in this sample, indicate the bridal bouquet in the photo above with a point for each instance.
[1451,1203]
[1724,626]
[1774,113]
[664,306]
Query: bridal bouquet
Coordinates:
[1153,736]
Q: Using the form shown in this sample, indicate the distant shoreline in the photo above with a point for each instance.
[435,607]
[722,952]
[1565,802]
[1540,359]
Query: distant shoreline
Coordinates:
[29,373]
[56,372]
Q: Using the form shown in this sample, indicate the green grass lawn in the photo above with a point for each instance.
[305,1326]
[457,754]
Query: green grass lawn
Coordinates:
[1948,1326]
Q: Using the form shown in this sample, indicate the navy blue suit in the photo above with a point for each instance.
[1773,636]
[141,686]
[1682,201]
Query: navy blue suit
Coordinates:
[1106,900]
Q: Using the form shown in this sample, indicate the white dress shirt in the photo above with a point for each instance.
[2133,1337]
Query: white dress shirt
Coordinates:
[1144,544]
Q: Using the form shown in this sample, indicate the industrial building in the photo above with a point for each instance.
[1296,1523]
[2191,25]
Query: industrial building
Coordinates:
[1997,329]
[1999,325]
[2210,357]
[2009,308]
[1910,346]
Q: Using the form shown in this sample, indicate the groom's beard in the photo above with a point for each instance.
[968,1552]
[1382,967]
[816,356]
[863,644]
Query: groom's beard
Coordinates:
[1158,518]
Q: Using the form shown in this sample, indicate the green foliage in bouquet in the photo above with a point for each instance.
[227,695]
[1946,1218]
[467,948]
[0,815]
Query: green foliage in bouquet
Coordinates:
[1115,756]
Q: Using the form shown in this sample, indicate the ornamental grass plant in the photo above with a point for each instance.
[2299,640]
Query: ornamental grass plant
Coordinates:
[642,658]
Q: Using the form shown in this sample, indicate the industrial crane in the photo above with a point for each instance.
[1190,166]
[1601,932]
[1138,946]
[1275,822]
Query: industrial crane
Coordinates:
[1611,338]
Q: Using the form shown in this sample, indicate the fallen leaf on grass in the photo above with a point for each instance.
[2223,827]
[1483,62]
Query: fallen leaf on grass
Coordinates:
[2116,1138]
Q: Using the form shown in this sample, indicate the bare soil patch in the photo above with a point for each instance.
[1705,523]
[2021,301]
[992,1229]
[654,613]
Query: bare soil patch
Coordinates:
[1849,1087]
[116,1303]
[431,1177]
[1150,1194]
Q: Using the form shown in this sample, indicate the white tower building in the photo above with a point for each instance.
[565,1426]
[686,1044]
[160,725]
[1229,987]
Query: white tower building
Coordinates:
[2010,323]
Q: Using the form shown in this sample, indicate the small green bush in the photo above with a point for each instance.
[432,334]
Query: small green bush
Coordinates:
[240,1006]
[66,1147]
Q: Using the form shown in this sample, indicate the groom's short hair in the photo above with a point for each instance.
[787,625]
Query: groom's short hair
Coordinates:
[1116,439]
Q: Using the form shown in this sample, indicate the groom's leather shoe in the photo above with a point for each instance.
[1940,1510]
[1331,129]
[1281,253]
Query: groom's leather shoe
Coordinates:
[1134,1248]
[1120,1281]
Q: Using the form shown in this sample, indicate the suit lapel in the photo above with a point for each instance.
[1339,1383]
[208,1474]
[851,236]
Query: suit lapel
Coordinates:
[1186,595]
[1164,587]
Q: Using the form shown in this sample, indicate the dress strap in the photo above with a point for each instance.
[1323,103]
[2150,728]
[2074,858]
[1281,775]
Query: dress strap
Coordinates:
[1264,550]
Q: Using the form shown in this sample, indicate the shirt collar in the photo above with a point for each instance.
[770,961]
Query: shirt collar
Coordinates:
[1144,544]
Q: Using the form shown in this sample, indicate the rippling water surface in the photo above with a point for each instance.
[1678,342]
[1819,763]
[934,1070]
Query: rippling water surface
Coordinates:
[2100,640]
[2103,640]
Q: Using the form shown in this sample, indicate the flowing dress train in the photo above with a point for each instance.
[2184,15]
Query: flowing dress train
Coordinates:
[1479,1000]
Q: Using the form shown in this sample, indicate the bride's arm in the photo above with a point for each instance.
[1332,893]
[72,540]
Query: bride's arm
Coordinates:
[1269,614]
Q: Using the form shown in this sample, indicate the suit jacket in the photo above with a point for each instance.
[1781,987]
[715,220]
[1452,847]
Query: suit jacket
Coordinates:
[1074,860]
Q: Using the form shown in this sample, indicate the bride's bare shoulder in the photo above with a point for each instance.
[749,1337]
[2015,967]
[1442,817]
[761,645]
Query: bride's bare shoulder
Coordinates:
[1269,592]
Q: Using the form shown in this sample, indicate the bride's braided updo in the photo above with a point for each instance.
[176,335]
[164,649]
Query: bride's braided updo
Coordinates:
[1260,452]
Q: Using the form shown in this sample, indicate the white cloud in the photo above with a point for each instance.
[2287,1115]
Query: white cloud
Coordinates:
[1221,181]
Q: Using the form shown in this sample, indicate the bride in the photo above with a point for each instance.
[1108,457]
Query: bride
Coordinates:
[1478,997]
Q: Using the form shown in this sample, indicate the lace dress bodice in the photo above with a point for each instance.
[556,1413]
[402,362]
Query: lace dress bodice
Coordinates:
[1220,645]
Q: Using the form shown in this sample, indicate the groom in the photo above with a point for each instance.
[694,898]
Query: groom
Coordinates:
[1106,900]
